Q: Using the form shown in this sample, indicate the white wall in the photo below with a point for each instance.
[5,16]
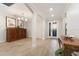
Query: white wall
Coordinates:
[60,27]
[28,26]
[39,26]
[2,27]
[2,23]
[72,20]
[46,28]
[3,15]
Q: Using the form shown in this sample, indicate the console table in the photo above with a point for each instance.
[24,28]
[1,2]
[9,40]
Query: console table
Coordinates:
[13,34]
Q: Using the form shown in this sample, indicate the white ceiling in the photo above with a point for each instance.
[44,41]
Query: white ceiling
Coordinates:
[59,9]
[17,9]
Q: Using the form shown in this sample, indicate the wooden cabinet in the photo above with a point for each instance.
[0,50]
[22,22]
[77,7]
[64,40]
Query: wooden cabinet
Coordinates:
[13,34]
[21,33]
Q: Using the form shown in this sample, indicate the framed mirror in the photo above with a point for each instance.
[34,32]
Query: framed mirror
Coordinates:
[20,23]
[10,22]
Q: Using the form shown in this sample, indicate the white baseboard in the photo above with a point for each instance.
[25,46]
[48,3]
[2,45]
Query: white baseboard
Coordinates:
[38,38]
[2,41]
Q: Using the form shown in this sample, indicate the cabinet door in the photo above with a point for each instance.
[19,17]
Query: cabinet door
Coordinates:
[11,34]
[19,33]
[25,33]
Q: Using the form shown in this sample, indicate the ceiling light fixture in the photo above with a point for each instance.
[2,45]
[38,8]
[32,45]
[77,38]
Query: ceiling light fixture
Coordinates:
[52,15]
[51,9]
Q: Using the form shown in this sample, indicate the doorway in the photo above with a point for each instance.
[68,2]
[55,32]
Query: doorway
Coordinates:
[53,29]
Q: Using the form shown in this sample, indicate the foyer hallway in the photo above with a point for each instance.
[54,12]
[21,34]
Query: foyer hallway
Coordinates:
[24,47]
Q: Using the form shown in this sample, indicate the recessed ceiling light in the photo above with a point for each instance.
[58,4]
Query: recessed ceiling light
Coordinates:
[51,9]
[52,15]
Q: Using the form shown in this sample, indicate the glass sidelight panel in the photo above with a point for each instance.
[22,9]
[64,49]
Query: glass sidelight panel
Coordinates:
[54,32]
[54,29]
[49,29]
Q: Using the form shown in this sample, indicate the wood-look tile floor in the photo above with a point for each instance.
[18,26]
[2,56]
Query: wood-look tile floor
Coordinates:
[24,47]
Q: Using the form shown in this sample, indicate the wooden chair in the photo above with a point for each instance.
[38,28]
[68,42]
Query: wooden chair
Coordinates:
[60,43]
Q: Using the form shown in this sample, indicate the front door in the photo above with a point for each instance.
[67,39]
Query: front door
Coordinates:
[53,29]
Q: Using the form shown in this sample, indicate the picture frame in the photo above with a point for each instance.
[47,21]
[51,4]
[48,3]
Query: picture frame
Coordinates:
[10,22]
